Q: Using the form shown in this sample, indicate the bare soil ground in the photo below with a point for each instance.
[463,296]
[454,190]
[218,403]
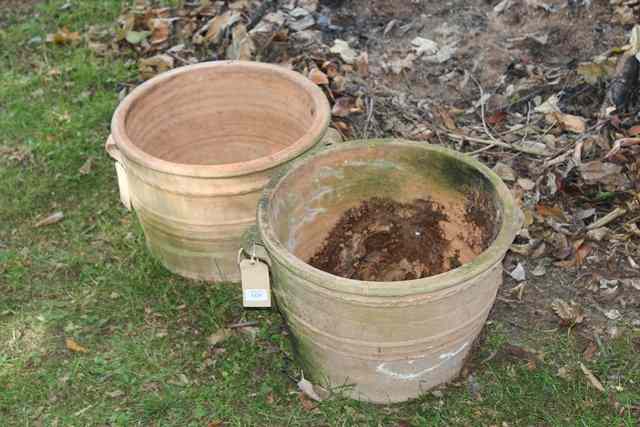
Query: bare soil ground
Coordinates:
[535,50]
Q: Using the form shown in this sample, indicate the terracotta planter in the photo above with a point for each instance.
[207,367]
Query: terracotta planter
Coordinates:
[390,341]
[194,148]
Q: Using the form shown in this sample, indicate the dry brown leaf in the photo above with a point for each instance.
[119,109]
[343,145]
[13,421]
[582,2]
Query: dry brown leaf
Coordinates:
[575,124]
[590,351]
[160,31]
[330,68]
[634,130]
[571,314]
[555,212]
[497,118]
[87,166]
[242,47]
[592,378]
[217,26]
[342,48]
[50,219]
[447,119]
[338,84]
[63,37]
[344,106]
[600,172]
[397,64]
[73,346]
[362,64]
[149,67]
[318,77]
[218,336]
[307,403]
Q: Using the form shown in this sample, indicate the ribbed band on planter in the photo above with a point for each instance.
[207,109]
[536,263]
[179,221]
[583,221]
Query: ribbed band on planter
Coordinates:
[197,145]
[385,341]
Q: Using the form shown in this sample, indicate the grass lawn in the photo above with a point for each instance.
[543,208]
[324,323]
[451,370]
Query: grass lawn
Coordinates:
[148,361]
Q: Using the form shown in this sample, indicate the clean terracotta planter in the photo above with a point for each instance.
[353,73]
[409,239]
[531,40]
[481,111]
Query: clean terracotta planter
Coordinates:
[383,341]
[194,148]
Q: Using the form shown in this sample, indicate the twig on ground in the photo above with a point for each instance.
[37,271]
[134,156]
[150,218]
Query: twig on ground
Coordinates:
[497,143]
[243,324]
[482,115]
[369,117]
[610,217]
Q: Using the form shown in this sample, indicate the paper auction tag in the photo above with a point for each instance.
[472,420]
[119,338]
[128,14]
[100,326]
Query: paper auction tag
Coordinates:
[256,288]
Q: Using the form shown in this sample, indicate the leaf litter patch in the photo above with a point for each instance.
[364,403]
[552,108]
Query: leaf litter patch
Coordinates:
[385,240]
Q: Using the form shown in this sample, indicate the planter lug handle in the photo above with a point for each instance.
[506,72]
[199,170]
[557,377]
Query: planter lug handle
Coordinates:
[121,170]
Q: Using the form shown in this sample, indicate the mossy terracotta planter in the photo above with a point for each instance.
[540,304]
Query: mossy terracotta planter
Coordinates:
[388,341]
[194,148]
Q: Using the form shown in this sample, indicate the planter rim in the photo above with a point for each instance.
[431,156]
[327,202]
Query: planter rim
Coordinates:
[311,137]
[512,219]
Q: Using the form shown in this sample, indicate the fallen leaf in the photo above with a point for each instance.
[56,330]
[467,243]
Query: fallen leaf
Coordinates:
[397,65]
[338,84]
[301,19]
[150,67]
[612,314]
[497,118]
[539,271]
[423,45]
[217,27]
[582,250]
[85,169]
[362,64]
[342,48]
[592,72]
[575,124]
[308,389]
[330,68]
[634,130]
[502,6]
[592,378]
[563,372]
[137,37]
[242,47]
[600,172]
[570,314]
[218,336]
[598,234]
[345,105]
[73,346]
[526,184]
[50,219]
[307,403]
[551,105]
[590,351]
[555,212]
[63,37]
[318,77]
[446,118]
[518,273]
[504,171]
[160,31]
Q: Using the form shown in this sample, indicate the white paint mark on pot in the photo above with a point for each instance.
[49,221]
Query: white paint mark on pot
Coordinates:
[444,357]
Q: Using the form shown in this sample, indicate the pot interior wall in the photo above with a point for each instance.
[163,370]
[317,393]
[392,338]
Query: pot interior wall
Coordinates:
[310,201]
[217,116]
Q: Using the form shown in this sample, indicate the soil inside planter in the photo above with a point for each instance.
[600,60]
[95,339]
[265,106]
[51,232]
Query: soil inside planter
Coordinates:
[384,240]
